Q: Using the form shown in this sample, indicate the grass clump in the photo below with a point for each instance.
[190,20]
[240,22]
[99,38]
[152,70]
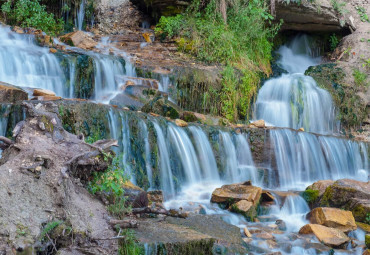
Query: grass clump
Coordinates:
[238,37]
[30,13]
[359,77]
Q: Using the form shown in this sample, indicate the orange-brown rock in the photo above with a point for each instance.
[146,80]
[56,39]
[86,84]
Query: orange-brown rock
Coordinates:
[46,98]
[329,236]
[334,218]
[43,92]
[11,94]
[236,192]
[257,124]
[79,39]
[243,206]
[181,123]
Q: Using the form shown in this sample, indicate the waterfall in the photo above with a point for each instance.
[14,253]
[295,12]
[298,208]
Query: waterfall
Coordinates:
[303,158]
[24,64]
[165,168]
[148,167]
[80,16]
[205,154]
[294,100]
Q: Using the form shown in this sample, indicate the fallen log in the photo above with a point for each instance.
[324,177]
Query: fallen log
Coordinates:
[172,212]
[6,142]
[128,223]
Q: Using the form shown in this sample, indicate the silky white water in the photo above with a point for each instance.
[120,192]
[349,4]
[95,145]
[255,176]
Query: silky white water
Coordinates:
[294,100]
[80,16]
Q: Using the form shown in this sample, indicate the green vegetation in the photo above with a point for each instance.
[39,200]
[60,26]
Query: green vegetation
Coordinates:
[363,15]
[310,196]
[30,13]
[129,245]
[360,77]
[333,40]
[339,6]
[111,183]
[238,38]
[367,219]
[48,228]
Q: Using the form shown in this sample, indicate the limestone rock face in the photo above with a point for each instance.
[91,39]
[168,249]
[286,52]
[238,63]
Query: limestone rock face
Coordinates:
[79,39]
[237,192]
[307,16]
[11,94]
[329,236]
[333,217]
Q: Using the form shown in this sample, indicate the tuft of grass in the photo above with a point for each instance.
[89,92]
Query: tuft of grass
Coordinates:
[359,77]
[48,228]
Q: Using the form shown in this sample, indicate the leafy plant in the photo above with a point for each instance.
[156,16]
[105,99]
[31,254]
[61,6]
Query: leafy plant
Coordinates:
[333,40]
[30,13]
[360,77]
[367,219]
[111,183]
[363,15]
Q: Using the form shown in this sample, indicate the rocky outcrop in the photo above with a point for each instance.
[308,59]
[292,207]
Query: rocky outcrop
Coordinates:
[348,194]
[11,94]
[334,218]
[39,189]
[329,236]
[308,16]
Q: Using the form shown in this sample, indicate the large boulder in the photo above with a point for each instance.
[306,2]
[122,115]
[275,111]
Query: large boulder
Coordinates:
[350,195]
[79,39]
[333,217]
[11,94]
[234,193]
[329,236]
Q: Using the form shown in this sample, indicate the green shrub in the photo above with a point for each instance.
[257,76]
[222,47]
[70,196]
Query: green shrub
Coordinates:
[360,77]
[111,183]
[333,40]
[30,13]
[242,43]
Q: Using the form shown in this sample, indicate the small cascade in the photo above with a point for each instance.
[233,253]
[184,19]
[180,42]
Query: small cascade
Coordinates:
[148,167]
[303,158]
[80,16]
[294,100]
[205,154]
[293,212]
[166,173]
[238,162]
[25,64]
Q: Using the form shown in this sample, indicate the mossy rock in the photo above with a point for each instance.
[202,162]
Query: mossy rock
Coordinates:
[352,109]
[367,241]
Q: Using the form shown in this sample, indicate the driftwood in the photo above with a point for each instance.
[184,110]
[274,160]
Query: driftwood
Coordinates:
[6,142]
[172,213]
[128,223]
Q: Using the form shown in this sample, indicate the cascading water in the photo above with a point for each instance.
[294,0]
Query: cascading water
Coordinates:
[25,64]
[303,158]
[80,16]
[294,100]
